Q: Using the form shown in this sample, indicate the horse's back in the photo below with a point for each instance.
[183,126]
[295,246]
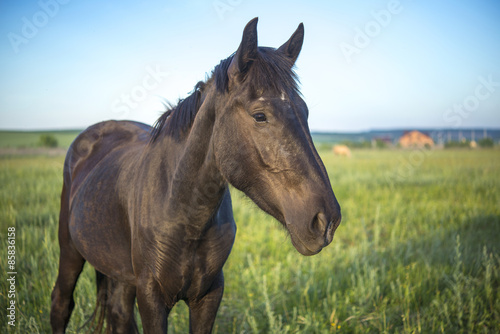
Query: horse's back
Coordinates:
[98,141]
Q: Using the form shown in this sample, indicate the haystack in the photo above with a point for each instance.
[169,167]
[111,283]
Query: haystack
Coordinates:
[342,150]
[415,139]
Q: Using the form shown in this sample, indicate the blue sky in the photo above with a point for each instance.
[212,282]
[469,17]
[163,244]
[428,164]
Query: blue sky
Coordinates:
[364,65]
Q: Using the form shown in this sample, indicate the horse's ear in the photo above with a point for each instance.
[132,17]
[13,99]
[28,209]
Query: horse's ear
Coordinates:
[247,51]
[292,47]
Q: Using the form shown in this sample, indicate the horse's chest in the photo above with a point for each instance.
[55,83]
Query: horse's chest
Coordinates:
[192,271]
[207,263]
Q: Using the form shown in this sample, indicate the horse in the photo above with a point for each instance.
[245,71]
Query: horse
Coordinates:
[150,209]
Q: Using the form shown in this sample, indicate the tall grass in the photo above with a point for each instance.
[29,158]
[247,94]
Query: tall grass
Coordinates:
[417,251]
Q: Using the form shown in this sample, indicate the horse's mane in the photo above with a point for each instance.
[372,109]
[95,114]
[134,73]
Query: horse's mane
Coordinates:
[271,71]
[178,118]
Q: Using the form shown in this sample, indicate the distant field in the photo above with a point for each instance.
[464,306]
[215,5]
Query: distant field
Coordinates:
[21,139]
[417,251]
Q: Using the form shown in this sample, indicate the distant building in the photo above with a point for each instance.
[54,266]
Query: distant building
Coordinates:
[415,139]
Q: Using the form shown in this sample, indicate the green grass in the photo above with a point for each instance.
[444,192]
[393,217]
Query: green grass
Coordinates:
[31,139]
[417,251]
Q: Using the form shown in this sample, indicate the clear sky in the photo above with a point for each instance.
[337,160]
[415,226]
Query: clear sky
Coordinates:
[364,65]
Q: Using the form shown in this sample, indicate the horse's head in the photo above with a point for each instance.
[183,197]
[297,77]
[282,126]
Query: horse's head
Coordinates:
[262,141]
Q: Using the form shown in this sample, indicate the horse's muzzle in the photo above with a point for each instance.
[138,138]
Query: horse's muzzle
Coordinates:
[319,234]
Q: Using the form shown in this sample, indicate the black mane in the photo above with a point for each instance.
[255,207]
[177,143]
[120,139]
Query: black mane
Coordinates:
[180,117]
[271,71]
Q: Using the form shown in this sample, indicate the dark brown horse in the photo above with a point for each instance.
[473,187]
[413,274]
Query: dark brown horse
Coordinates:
[150,208]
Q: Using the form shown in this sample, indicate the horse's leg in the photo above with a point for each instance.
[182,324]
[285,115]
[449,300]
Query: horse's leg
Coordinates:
[202,312]
[114,306]
[121,308]
[152,308]
[70,266]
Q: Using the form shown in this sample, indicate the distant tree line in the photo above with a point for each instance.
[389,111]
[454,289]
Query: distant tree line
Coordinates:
[47,140]
[382,144]
[483,143]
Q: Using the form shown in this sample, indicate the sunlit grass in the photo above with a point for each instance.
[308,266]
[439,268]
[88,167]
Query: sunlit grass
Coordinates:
[417,251]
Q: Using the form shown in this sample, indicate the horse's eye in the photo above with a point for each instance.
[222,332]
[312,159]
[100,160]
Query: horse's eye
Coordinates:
[259,117]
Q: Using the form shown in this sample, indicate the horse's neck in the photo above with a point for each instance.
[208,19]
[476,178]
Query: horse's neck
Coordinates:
[194,185]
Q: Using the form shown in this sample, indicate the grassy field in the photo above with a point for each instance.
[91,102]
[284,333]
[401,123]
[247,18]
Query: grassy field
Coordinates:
[31,139]
[417,251]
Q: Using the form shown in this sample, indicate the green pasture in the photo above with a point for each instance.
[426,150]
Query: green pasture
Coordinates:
[417,251]
[31,139]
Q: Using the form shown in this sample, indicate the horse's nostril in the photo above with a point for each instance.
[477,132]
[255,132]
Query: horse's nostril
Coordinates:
[332,226]
[330,229]
[320,223]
